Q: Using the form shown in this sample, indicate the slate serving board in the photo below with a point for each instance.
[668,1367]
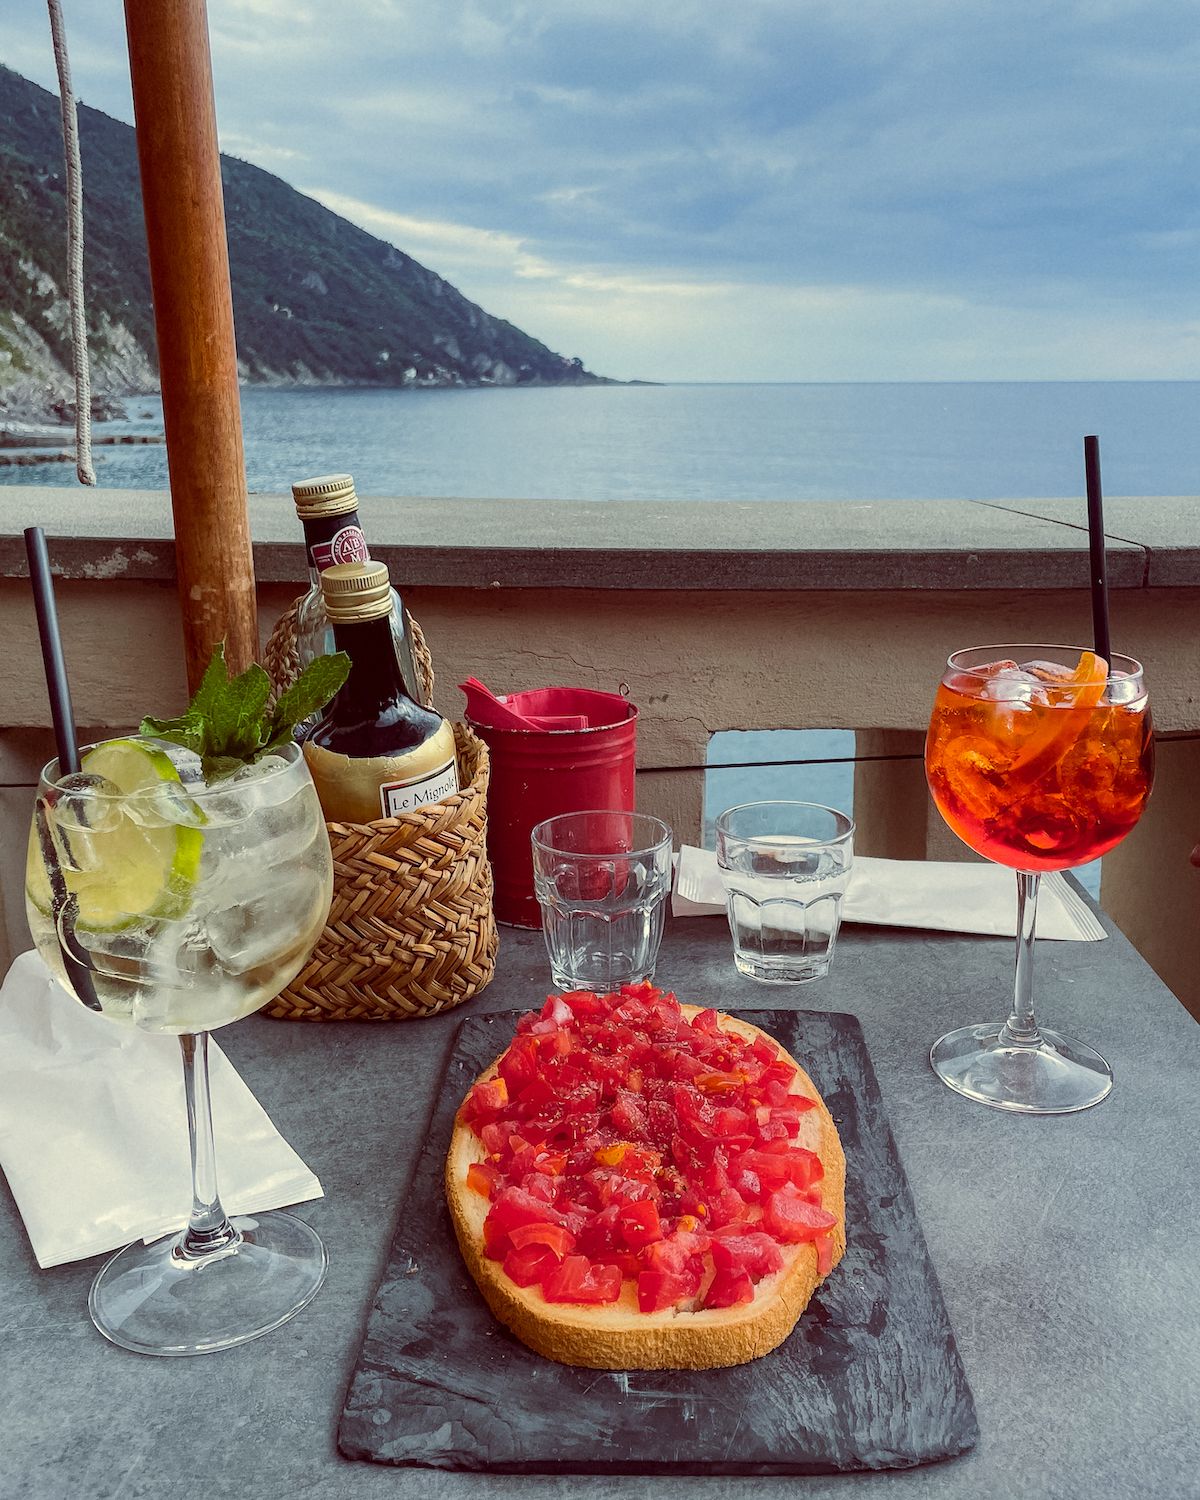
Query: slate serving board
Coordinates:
[870,1379]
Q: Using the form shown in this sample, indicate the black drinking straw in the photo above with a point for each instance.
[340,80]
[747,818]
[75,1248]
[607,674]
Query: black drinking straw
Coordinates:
[67,746]
[1095,508]
[52,652]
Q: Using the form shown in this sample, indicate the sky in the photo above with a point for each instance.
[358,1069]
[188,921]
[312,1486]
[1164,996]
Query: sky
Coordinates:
[765,190]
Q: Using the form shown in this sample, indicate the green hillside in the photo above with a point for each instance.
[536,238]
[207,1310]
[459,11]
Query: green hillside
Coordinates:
[315,298]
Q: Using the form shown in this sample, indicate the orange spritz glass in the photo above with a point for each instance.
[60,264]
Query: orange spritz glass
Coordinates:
[1040,758]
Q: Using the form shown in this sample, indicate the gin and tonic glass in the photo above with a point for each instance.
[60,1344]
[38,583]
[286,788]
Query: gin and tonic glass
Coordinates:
[177,906]
[1040,758]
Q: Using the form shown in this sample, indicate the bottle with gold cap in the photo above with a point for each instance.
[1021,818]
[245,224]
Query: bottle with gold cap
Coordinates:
[376,752]
[328,511]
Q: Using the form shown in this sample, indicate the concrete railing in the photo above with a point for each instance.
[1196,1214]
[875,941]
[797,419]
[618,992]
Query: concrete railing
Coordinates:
[715,616]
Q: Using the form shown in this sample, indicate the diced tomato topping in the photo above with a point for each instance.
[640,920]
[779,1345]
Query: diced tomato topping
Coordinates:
[824,1243]
[678,1252]
[553,1236]
[775,1168]
[629,1114]
[519,1065]
[557,1009]
[494,1136]
[485,1101]
[530,1266]
[601,1235]
[726,1207]
[539,1185]
[755,1253]
[729,1289]
[483,1177]
[719,1083]
[791,1218]
[511,1208]
[626,1141]
[614,1155]
[639,1223]
[659,1289]
[578,1279]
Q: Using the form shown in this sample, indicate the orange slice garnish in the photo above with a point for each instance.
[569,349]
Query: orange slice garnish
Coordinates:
[1060,728]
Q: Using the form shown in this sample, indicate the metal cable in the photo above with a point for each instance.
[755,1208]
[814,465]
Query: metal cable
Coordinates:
[79,350]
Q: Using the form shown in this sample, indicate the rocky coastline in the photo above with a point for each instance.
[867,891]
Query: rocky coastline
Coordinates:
[317,301]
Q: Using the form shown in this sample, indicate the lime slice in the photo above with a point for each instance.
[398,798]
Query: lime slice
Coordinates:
[133,872]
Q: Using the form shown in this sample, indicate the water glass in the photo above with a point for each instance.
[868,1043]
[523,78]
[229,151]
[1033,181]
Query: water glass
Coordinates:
[784,866]
[602,879]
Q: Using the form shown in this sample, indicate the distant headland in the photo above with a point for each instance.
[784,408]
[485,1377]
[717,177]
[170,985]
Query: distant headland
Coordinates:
[317,301]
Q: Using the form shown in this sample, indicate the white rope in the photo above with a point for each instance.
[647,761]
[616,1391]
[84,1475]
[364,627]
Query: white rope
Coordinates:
[79,350]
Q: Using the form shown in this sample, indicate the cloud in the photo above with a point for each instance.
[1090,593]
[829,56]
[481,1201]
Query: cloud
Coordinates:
[793,186]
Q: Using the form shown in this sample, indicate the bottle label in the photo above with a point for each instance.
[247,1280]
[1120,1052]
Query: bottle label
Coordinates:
[346,546]
[397,797]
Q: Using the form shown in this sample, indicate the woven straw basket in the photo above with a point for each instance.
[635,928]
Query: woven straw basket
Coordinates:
[411,930]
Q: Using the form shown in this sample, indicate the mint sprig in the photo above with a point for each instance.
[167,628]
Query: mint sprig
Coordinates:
[228,724]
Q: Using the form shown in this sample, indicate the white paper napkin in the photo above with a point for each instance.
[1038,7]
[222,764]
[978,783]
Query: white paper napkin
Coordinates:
[944,895]
[93,1127]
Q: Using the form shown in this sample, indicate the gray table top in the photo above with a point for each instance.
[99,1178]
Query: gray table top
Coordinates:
[1066,1249]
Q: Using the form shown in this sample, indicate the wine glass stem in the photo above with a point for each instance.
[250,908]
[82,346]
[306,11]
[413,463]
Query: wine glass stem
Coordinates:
[208,1230]
[1021,1029]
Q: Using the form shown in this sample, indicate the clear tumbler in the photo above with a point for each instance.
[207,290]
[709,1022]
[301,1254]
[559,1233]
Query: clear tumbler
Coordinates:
[785,866]
[602,880]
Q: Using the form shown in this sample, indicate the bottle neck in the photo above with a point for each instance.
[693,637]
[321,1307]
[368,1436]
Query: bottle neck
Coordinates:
[333,539]
[375,679]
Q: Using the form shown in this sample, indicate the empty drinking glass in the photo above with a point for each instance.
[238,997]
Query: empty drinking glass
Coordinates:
[602,879]
[784,866]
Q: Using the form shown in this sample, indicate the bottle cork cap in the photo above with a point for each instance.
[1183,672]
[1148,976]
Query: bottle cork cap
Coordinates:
[356,591]
[326,495]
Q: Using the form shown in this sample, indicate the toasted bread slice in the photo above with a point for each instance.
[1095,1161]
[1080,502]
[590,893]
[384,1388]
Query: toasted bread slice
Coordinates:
[618,1336]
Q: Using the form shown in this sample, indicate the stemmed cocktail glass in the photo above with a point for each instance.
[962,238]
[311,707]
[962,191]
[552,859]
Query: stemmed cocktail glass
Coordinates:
[1040,758]
[168,903]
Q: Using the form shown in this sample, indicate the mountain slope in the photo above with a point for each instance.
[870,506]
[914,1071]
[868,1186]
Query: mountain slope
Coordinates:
[316,299]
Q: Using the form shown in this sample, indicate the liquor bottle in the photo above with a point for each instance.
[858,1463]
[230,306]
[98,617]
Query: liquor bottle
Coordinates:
[328,511]
[376,751]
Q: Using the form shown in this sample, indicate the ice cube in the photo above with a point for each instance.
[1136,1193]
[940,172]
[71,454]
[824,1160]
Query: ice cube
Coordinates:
[80,811]
[239,858]
[166,804]
[1050,671]
[117,955]
[186,762]
[1123,688]
[250,790]
[266,927]
[81,800]
[1012,686]
[973,778]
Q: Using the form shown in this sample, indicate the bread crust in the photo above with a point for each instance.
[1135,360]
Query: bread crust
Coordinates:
[620,1337]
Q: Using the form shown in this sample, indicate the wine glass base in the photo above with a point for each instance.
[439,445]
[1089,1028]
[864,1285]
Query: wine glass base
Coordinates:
[152,1300]
[1053,1077]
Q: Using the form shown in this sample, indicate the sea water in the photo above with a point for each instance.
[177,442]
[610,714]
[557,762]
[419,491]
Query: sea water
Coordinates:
[969,441]
[976,441]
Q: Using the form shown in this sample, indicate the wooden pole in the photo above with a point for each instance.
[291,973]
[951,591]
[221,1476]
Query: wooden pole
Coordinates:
[180,165]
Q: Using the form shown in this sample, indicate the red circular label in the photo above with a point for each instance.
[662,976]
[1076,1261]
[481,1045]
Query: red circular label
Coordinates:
[349,545]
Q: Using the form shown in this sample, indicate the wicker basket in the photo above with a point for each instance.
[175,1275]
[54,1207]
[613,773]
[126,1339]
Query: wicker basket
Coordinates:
[411,930]
[282,660]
